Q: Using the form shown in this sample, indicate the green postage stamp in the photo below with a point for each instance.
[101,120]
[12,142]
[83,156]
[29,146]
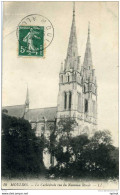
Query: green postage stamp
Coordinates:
[31,41]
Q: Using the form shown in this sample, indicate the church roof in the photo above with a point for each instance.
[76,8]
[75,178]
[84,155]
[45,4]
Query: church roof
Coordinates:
[17,111]
[37,114]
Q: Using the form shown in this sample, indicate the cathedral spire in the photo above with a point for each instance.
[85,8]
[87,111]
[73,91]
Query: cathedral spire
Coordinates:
[88,54]
[26,103]
[73,9]
[27,99]
[61,69]
[72,52]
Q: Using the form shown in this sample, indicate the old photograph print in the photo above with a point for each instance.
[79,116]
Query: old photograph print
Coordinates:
[60,95]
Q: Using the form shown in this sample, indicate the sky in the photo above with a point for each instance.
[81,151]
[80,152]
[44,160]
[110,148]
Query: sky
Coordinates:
[42,74]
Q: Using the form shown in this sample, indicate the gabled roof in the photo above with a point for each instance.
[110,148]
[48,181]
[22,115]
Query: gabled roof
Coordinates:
[37,114]
[17,111]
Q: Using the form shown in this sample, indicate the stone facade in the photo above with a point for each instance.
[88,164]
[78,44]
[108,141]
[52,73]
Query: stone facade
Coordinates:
[77,97]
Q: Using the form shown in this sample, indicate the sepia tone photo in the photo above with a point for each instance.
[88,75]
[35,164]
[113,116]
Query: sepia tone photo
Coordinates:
[60,95]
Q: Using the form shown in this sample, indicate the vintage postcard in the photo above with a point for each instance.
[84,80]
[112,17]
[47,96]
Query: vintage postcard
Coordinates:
[60,95]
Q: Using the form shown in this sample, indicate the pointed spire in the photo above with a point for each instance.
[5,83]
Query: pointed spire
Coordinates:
[89,29]
[61,70]
[74,9]
[78,63]
[27,98]
[72,52]
[26,111]
[88,54]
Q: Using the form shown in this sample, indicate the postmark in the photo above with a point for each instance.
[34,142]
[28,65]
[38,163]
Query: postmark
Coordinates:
[35,33]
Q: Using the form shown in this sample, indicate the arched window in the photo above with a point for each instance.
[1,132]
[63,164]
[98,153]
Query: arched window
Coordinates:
[91,87]
[86,105]
[84,88]
[65,100]
[93,108]
[42,128]
[70,99]
[62,78]
[68,78]
[79,102]
[75,75]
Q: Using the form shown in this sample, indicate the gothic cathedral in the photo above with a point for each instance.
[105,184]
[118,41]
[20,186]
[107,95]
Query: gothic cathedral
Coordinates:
[77,97]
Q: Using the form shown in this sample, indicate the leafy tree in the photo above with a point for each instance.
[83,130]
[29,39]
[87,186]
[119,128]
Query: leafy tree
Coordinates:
[77,143]
[66,126]
[94,157]
[21,149]
[102,137]
[83,157]
[60,144]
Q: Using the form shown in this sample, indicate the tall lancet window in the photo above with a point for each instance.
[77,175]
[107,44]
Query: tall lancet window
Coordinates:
[84,89]
[68,78]
[79,102]
[70,99]
[61,78]
[93,108]
[65,100]
[86,105]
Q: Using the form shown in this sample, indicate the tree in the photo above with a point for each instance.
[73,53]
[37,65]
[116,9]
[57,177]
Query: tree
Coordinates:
[105,166]
[21,149]
[83,157]
[60,146]
[94,159]
[102,137]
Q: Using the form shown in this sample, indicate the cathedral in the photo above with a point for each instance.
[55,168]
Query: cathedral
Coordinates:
[77,96]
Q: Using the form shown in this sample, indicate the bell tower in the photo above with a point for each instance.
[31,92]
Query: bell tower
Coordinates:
[89,89]
[77,97]
[70,78]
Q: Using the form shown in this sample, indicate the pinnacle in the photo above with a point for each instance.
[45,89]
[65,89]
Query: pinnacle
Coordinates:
[27,97]
[88,54]
[72,51]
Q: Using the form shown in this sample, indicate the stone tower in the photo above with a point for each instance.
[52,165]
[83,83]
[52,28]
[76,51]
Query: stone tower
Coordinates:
[77,97]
